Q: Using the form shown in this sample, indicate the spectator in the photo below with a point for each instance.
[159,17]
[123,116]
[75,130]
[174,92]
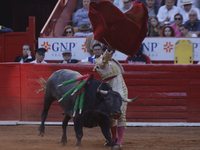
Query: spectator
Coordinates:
[83,30]
[127,6]
[68,31]
[198,4]
[5,30]
[97,51]
[26,57]
[154,26]
[166,13]
[152,7]
[167,31]
[67,55]
[81,15]
[194,3]
[187,6]
[193,23]
[39,55]
[163,2]
[90,41]
[184,31]
[178,19]
[139,58]
[80,4]
[157,2]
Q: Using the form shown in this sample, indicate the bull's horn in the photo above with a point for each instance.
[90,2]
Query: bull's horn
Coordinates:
[101,91]
[129,100]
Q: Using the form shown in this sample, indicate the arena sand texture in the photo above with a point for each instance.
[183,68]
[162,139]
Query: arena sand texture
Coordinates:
[24,137]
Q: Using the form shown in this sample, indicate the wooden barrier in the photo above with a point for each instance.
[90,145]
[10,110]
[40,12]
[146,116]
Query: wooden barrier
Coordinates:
[168,93]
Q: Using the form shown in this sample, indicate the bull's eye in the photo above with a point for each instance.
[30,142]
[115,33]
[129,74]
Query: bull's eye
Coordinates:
[108,99]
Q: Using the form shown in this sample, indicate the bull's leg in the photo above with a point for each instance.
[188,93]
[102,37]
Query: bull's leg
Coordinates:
[78,127]
[105,128]
[64,126]
[47,104]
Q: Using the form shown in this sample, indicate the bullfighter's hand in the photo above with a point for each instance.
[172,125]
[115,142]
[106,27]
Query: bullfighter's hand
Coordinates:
[110,48]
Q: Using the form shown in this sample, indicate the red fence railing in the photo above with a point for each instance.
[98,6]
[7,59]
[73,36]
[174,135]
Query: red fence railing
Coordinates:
[168,93]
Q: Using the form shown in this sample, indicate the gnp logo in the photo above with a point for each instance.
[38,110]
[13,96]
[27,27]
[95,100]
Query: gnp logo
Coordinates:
[168,47]
[58,46]
[150,46]
[46,45]
[84,47]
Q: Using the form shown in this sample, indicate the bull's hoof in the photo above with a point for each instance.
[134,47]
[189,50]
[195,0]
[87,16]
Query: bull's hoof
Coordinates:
[63,143]
[117,147]
[78,147]
[40,133]
[108,143]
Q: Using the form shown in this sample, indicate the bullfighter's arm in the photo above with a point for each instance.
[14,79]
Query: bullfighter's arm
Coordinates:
[103,60]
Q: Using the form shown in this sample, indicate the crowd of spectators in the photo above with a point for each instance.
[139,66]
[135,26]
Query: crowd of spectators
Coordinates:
[167,18]
[175,14]
[162,14]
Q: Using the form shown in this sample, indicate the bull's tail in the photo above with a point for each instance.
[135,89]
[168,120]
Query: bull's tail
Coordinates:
[42,83]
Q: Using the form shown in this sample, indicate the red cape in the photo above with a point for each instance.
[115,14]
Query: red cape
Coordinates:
[125,32]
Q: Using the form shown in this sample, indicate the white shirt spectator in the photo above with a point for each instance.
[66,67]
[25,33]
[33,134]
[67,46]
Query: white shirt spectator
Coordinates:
[91,59]
[82,34]
[22,61]
[81,17]
[185,14]
[181,6]
[35,61]
[118,3]
[163,13]
[125,10]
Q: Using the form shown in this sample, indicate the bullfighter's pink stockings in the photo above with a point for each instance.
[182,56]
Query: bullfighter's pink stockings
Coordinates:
[120,135]
[114,132]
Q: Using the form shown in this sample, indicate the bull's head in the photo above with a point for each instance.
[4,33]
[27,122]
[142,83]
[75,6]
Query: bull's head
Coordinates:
[123,99]
[113,101]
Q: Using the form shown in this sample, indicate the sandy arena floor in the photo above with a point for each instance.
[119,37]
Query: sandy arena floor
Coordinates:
[24,137]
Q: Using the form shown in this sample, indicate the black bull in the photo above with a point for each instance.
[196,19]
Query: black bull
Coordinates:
[97,107]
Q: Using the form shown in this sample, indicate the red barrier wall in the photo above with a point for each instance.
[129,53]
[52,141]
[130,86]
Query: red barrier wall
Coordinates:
[168,93]
[11,43]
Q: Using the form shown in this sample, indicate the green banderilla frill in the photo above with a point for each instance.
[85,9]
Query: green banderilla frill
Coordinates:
[74,80]
[81,102]
[73,90]
[68,93]
[68,82]
[78,87]
[76,105]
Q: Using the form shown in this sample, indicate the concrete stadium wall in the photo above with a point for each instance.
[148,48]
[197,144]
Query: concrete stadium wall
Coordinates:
[168,93]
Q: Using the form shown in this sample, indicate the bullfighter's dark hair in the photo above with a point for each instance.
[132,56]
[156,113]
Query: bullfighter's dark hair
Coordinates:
[97,44]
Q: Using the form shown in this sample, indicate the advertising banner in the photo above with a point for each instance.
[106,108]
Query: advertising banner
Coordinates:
[163,49]
[158,49]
